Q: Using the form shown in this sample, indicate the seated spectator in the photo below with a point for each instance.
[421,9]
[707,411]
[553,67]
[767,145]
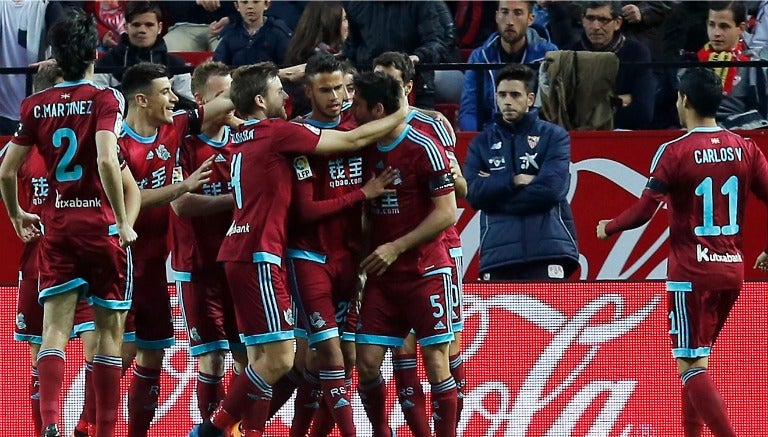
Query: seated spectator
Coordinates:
[635,85]
[253,37]
[196,28]
[744,88]
[142,43]
[514,42]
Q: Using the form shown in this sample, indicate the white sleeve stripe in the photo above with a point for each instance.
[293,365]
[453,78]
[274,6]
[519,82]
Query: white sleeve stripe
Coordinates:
[435,159]
[440,130]
[657,156]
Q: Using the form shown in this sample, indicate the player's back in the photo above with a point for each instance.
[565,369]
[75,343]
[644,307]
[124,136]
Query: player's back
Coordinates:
[62,123]
[708,173]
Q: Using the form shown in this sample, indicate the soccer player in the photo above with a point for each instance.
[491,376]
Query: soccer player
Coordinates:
[74,126]
[253,248]
[150,141]
[198,228]
[704,178]
[409,392]
[324,247]
[406,229]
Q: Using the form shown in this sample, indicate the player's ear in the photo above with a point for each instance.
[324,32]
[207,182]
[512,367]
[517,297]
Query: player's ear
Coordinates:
[141,100]
[378,111]
[408,87]
[260,102]
[308,91]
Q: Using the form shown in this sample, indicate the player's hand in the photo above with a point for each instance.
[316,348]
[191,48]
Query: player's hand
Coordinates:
[376,186]
[209,5]
[762,262]
[379,261]
[217,26]
[109,40]
[631,14]
[42,64]
[601,229]
[127,235]
[27,226]
[522,179]
[201,176]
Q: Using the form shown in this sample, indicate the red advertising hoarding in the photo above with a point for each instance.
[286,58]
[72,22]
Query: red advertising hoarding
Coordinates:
[542,359]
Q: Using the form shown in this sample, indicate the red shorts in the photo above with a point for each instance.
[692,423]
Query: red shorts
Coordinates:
[392,305]
[208,312]
[696,318]
[29,314]
[150,315]
[457,291]
[94,265]
[322,291]
[262,303]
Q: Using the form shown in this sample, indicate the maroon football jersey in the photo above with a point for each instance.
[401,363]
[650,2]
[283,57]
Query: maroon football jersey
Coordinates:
[704,176]
[262,179]
[196,240]
[62,122]
[328,179]
[152,161]
[423,173]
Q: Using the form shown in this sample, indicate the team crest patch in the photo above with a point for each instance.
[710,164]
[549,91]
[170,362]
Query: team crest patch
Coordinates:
[317,320]
[302,168]
[398,180]
[162,152]
[533,141]
[21,324]
[288,315]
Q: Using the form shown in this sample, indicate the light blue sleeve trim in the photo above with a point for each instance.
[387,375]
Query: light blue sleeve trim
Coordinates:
[66,287]
[457,326]
[78,329]
[181,276]
[253,340]
[679,286]
[440,271]
[129,337]
[321,336]
[200,349]
[112,230]
[266,257]
[306,255]
[379,340]
[298,333]
[117,305]
[455,252]
[32,339]
[437,339]
[691,353]
[155,344]
[348,336]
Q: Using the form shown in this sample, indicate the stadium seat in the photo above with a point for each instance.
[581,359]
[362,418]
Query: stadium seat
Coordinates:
[193,59]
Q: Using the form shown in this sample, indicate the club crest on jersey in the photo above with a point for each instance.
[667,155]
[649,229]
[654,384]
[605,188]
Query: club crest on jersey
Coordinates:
[302,168]
[533,141]
[398,180]
[162,152]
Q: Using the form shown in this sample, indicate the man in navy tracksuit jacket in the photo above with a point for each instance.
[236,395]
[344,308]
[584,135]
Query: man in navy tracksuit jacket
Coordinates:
[517,170]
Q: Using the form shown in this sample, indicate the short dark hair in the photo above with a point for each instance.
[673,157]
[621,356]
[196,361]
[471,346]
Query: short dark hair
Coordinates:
[614,6]
[400,61]
[704,90]
[138,78]
[204,71]
[47,77]
[348,68]
[519,72]
[134,8]
[530,4]
[73,43]
[322,62]
[248,82]
[378,88]
[737,8]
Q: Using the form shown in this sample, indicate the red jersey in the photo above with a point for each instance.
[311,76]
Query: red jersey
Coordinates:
[423,173]
[152,161]
[438,132]
[262,179]
[327,199]
[704,176]
[196,240]
[62,122]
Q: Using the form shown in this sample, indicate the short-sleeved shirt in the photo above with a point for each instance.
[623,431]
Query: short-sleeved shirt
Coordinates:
[197,240]
[262,178]
[62,122]
[423,172]
[152,161]
[331,177]
[704,176]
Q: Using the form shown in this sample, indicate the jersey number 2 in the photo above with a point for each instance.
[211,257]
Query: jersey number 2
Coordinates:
[65,171]
[731,189]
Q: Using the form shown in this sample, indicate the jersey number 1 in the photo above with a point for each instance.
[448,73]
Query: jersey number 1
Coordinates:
[65,171]
[731,189]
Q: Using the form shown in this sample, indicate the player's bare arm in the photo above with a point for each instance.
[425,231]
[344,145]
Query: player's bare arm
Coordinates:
[459,182]
[132,195]
[196,205]
[153,197]
[635,216]
[443,216]
[216,111]
[111,180]
[25,224]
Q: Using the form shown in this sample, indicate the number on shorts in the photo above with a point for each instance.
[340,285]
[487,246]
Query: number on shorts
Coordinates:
[673,328]
[63,171]
[439,310]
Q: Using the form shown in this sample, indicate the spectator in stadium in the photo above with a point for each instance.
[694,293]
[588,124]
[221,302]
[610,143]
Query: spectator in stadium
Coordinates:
[515,42]
[253,37]
[289,11]
[564,23]
[142,43]
[635,85]
[517,170]
[110,20]
[196,28]
[349,80]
